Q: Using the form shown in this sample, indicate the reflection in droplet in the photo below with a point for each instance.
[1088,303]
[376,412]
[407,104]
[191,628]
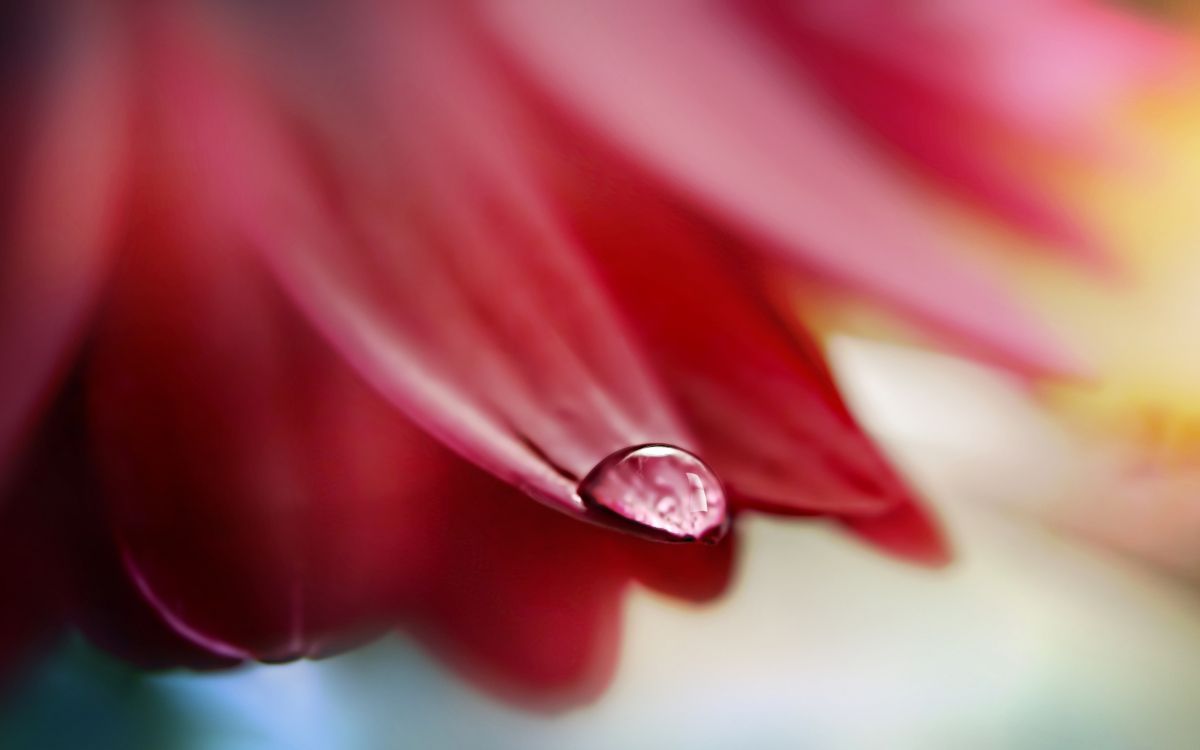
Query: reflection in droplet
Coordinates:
[664,491]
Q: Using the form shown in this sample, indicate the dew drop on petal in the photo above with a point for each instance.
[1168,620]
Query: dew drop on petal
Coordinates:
[663,491]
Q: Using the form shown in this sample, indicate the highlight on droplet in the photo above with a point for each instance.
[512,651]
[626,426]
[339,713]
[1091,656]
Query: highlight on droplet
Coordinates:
[661,491]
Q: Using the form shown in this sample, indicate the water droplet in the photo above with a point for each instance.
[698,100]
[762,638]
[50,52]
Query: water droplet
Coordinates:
[666,505]
[662,490]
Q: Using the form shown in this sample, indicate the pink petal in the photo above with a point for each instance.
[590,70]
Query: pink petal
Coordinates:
[1045,72]
[430,261]
[939,137]
[65,179]
[698,98]
[1046,68]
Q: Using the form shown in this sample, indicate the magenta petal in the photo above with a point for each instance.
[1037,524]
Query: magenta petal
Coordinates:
[55,227]
[435,267]
[695,94]
[940,138]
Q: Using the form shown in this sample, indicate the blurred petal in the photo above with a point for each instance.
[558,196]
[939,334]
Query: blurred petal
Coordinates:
[695,572]
[1034,72]
[1046,68]
[938,136]
[529,601]
[62,165]
[692,93]
[110,611]
[262,497]
[60,530]
[30,576]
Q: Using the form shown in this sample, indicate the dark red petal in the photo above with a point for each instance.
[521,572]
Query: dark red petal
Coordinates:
[264,500]
[78,570]
[106,606]
[435,268]
[529,601]
[63,150]
[696,572]
[31,577]
[697,97]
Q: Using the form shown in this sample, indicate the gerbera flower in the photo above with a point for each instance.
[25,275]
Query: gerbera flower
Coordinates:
[308,250]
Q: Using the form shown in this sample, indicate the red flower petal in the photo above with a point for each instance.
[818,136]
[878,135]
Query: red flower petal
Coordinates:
[262,497]
[528,602]
[107,607]
[435,268]
[58,529]
[61,165]
[696,572]
[695,94]
[244,475]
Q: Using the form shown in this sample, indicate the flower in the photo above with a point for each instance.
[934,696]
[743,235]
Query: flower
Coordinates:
[308,250]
